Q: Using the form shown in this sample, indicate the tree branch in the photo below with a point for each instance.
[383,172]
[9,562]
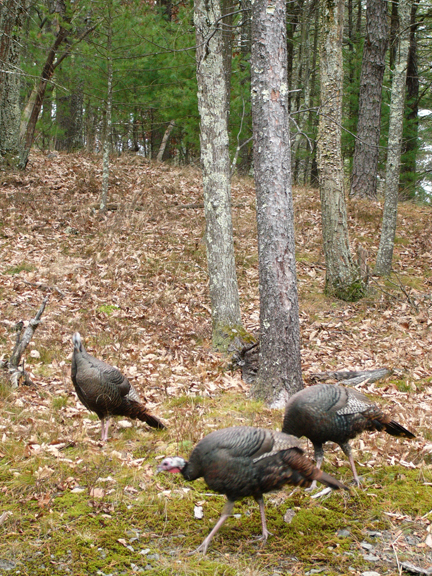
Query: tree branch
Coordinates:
[16,373]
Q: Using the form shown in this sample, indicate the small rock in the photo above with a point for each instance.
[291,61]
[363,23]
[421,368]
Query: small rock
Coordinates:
[416,569]
[153,557]
[373,533]
[144,551]
[7,564]
[198,512]
[289,515]
[366,545]
[370,574]
[370,558]
[124,424]
[343,533]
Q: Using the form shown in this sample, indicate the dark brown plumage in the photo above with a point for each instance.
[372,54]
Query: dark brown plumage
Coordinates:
[245,461]
[103,389]
[325,413]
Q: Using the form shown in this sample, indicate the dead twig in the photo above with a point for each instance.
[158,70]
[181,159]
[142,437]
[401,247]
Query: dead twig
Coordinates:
[17,372]
[44,287]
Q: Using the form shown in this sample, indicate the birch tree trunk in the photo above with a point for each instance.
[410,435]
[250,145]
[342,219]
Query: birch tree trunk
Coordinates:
[279,373]
[12,13]
[342,279]
[366,152]
[394,146]
[213,109]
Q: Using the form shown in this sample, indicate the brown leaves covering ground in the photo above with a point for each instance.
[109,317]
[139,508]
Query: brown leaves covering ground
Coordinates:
[134,282]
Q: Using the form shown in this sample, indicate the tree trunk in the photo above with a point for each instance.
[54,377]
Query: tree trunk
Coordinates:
[310,171]
[37,96]
[47,73]
[300,147]
[69,115]
[394,146]
[342,278]
[212,105]
[108,114]
[410,141]
[279,373]
[366,152]
[165,140]
[12,14]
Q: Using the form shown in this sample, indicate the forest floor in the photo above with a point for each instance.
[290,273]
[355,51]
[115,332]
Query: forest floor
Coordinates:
[134,284]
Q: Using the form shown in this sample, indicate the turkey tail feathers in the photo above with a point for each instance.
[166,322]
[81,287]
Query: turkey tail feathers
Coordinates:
[136,410]
[396,429]
[330,481]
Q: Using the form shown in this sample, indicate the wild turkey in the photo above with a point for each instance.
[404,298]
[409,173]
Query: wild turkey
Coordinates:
[325,413]
[104,390]
[246,461]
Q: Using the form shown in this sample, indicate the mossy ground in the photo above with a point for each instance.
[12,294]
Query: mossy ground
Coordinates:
[134,283]
[78,507]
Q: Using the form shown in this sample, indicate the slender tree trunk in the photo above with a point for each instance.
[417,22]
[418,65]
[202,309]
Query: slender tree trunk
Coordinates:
[394,146]
[410,141]
[366,153]
[279,373]
[12,14]
[47,73]
[108,114]
[245,151]
[342,278]
[300,146]
[213,109]
[165,140]
[69,115]
[311,176]
[33,108]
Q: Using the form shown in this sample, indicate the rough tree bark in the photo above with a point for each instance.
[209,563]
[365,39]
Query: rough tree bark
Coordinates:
[410,140]
[279,373]
[394,145]
[366,152]
[213,109]
[342,278]
[12,14]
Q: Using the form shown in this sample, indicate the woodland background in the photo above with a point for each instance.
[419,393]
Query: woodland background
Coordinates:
[148,50]
[133,280]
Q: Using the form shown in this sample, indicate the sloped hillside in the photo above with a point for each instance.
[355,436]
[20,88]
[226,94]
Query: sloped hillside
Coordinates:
[134,284]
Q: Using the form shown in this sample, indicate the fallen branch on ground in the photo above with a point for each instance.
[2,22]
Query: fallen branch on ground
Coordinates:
[17,372]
